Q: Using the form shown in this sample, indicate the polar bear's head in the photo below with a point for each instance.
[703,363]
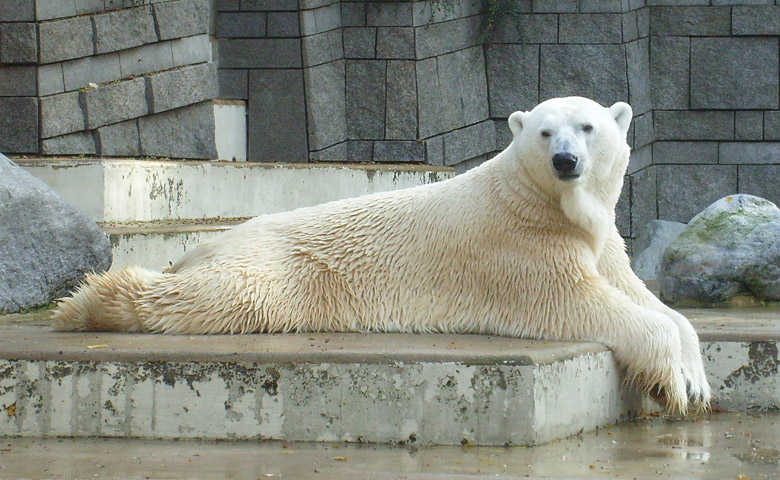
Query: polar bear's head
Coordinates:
[568,142]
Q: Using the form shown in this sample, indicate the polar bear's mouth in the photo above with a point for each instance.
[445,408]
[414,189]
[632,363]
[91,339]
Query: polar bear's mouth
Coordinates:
[568,177]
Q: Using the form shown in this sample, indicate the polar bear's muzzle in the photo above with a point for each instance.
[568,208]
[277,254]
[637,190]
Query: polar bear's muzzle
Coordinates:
[567,166]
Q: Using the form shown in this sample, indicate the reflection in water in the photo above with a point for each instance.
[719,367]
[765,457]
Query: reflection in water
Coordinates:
[759,456]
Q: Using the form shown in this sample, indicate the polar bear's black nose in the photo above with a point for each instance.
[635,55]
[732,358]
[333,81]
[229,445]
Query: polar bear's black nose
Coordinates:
[564,162]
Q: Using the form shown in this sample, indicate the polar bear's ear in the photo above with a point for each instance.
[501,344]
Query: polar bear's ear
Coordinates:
[516,122]
[622,114]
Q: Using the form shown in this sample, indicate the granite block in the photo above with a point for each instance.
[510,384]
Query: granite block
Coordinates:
[65,39]
[590,28]
[191,50]
[686,190]
[693,125]
[401,106]
[748,125]
[670,72]
[260,53]
[186,132]
[18,43]
[749,153]
[120,139]
[61,114]
[182,18]
[181,87]
[276,117]
[690,21]
[395,43]
[97,69]
[19,124]
[323,48]
[388,151]
[513,78]
[79,143]
[241,24]
[326,104]
[18,81]
[365,99]
[115,102]
[680,153]
[735,73]
[359,42]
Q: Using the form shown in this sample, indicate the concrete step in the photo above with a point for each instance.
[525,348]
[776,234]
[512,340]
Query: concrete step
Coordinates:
[156,245]
[132,190]
[385,388]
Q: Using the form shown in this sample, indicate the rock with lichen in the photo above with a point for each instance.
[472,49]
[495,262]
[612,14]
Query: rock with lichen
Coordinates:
[730,249]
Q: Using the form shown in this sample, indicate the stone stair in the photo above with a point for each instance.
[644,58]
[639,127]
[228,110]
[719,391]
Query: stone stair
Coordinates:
[386,388]
[154,210]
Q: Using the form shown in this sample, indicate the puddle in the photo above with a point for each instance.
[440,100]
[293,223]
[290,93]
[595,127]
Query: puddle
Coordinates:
[720,446]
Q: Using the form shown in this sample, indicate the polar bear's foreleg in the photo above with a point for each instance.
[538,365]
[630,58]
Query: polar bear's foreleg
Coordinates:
[645,342]
[615,266]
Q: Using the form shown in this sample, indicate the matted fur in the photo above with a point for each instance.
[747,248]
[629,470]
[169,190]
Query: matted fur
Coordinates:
[504,249]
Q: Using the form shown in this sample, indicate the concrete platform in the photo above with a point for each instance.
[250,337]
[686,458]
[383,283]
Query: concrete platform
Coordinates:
[132,190]
[384,388]
[154,211]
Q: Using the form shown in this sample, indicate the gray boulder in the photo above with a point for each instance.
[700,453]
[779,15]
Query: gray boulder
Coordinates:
[731,248]
[46,246]
[651,244]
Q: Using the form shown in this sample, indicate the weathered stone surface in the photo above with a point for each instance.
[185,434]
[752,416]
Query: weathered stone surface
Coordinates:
[323,48]
[469,142]
[401,105]
[124,29]
[276,117]
[644,206]
[50,248]
[395,42]
[651,243]
[359,42]
[260,53]
[731,248]
[266,5]
[146,59]
[630,26]
[555,6]
[185,86]
[526,29]
[639,159]
[119,139]
[52,10]
[690,21]
[241,24]
[644,133]
[65,39]
[748,125]
[513,78]
[452,91]
[693,125]
[182,18]
[96,69]
[399,151]
[283,24]
[360,151]
[591,28]
[424,13]
[18,43]
[18,124]
[623,212]
[336,153]
[232,83]
[353,14]
[761,181]
[734,73]
[115,102]
[79,143]
[685,190]
[50,79]
[440,38]
[326,108]
[389,14]
[186,132]
[191,50]
[592,75]
[61,114]
[320,19]
[18,81]
[17,11]
[365,99]
[670,72]
[772,125]
[755,20]
[639,83]
[749,152]
[685,152]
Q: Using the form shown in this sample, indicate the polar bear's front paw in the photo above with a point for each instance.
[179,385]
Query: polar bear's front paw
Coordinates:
[697,387]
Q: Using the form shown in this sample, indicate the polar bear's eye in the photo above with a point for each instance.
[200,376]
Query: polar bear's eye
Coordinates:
[587,128]
[545,133]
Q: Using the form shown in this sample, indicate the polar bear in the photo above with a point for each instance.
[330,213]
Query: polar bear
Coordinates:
[524,245]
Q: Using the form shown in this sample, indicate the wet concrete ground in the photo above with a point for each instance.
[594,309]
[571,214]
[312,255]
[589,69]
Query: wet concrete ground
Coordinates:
[742,446]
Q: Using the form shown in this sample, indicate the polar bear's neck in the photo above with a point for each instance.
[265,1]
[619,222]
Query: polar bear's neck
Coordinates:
[586,211]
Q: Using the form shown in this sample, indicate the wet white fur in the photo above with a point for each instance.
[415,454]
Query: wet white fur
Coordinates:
[504,249]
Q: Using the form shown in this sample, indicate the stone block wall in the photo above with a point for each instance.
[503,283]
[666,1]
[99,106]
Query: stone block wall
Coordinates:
[403,81]
[716,98]
[107,77]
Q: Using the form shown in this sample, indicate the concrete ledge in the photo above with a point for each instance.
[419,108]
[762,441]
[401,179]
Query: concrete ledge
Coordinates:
[153,190]
[387,388]
[156,245]
[430,389]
